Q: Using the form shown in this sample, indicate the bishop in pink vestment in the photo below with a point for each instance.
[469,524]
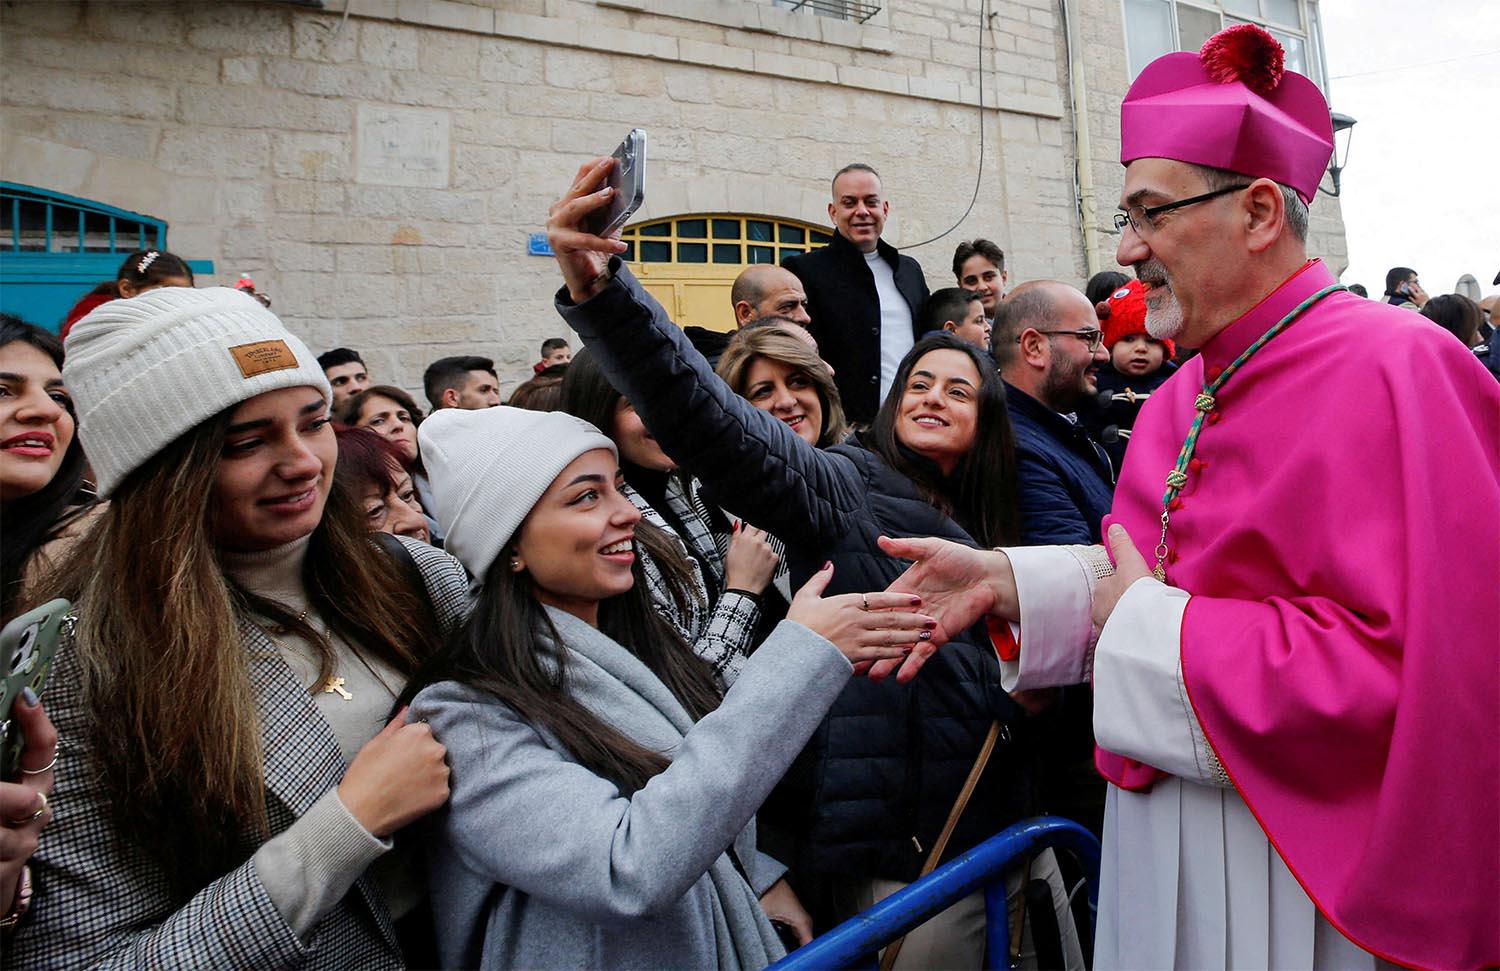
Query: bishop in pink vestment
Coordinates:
[1340,645]
[1301,721]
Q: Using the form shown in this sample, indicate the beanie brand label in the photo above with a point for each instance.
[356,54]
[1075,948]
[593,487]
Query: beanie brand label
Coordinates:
[263,356]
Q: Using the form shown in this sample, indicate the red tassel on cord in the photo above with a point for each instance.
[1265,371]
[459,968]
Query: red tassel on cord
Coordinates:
[1244,53]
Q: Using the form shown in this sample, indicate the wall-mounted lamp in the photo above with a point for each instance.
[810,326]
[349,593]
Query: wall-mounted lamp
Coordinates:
[1343,134]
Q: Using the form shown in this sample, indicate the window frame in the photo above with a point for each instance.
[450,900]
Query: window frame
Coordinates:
[815,237]
[1309,32]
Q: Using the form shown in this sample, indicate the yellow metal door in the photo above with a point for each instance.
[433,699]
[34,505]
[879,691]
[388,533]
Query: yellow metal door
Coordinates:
[692,294]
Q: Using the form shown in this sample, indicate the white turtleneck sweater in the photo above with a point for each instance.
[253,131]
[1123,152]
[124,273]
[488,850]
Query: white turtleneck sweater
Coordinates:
[308,868]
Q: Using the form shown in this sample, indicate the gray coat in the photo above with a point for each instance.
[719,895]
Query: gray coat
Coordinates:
[539,863]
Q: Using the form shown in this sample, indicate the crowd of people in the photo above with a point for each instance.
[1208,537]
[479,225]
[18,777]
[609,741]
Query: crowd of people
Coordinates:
[701,643]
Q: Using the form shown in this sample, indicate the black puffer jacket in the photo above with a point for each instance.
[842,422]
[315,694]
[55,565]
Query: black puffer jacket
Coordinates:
[871,792]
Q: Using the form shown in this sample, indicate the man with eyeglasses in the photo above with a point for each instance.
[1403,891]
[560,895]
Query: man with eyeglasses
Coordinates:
[1291,638]
[1049,348]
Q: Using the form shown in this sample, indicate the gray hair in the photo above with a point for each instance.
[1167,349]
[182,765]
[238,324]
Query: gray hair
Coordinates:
[1296,209]
[852,167]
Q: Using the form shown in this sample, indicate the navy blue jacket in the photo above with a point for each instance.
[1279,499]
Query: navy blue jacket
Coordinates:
[871,792]
[1064,477]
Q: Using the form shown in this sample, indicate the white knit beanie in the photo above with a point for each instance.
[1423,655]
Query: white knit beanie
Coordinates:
[489,466]
[144,371]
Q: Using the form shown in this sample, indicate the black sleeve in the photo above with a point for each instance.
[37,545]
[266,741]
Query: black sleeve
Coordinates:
[754,463]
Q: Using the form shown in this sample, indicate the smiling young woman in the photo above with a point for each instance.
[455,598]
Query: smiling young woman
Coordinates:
[938,461]
[41,461]
[229,772]
[705,575]
[567,695]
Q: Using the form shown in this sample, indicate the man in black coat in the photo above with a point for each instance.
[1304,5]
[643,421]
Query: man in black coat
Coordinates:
[865,299]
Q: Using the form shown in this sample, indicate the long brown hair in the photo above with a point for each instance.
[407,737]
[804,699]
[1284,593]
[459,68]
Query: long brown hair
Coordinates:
[775,343]
[496,650]
[172,712]
[982,494]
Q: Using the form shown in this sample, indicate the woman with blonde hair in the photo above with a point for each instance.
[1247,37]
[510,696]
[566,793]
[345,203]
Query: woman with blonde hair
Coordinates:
[776,370]
[773,363]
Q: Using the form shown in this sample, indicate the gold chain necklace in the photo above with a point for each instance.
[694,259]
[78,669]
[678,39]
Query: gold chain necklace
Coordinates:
[329,685]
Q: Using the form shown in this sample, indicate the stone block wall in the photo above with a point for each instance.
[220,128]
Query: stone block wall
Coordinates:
[259,132]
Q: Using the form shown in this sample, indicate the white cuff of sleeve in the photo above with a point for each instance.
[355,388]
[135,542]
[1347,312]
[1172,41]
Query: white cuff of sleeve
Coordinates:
[1055,587]
[1141,707]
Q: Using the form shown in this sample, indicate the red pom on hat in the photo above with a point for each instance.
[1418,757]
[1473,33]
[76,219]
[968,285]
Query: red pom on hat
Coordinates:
[1244,53]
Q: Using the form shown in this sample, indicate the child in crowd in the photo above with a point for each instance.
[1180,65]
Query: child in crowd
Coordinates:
[143,271]
[1138,364]
[555,350]
[961,313]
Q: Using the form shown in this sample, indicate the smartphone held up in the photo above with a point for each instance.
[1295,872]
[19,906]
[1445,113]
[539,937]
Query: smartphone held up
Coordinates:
[27,645]
[628,178]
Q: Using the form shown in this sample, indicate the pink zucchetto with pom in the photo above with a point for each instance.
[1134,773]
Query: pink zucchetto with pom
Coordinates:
[1230,106]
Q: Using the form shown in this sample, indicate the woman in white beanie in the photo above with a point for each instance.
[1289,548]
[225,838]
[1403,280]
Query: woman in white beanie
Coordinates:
[603,795]
[705,576]
[227,776]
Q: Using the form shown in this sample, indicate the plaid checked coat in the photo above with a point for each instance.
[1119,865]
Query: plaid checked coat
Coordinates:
[724,635]
[101,902]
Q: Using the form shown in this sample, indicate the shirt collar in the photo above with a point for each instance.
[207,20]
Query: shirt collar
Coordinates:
[1229,343]
[885,250]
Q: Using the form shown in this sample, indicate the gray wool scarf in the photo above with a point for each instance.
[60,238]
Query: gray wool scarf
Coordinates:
[619,689]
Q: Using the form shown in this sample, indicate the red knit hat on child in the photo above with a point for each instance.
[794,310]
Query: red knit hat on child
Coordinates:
[1123,313]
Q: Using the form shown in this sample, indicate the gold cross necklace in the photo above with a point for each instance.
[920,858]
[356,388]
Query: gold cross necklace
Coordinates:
[330,685]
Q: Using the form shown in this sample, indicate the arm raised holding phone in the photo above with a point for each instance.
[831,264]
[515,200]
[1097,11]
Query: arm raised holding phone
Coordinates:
[582,256]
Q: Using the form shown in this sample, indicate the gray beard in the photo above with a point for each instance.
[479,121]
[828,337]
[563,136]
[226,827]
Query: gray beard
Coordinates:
[1164,320]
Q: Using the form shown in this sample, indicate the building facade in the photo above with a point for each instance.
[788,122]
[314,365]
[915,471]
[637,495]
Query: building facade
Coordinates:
[381,171]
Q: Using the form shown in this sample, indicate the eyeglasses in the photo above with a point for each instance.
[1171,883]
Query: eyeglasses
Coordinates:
[1142,218]
[1094,338]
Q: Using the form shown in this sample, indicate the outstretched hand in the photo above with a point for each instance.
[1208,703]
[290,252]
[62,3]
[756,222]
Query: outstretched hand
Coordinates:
[1130,566]
[958,585]
[582,256]
[866,627]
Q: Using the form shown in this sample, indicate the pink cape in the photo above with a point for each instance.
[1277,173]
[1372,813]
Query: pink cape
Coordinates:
[1341,648]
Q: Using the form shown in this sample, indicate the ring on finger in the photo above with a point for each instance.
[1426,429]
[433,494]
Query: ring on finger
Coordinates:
[925,635]
[864,601]
[34,816]
[45,768]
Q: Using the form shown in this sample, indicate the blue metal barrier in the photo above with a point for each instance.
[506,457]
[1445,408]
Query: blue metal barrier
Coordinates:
[854,942]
